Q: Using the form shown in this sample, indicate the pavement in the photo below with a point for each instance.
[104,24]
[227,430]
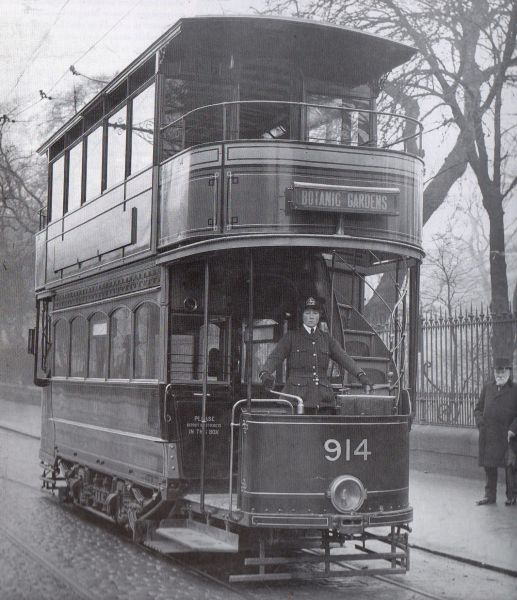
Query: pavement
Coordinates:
[447,520]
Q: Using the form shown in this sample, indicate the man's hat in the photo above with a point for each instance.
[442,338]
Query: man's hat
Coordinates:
[501,362]
[311,304]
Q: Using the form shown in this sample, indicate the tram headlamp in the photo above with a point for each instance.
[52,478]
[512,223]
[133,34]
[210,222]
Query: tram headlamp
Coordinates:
[347,493]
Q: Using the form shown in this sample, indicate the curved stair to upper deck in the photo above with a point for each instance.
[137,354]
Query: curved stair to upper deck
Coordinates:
[366,347]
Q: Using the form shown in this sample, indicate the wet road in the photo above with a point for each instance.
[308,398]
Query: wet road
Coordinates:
[54,551]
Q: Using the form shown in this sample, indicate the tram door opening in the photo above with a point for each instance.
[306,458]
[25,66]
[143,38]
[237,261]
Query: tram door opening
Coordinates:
[199,350]
[211,300]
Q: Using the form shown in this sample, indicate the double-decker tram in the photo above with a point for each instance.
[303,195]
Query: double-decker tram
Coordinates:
[237,167]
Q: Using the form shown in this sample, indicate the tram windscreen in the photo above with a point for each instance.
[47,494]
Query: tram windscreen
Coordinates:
[345,124]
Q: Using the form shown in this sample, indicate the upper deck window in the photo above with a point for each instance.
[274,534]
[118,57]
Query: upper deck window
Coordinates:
[262,79]
[116,149]
[93,164]
[347,123]
[75,172]
[57,189]
[184,95]
[142,130]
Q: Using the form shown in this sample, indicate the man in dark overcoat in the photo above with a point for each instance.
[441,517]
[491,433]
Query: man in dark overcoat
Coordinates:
[308,352]
[496,418]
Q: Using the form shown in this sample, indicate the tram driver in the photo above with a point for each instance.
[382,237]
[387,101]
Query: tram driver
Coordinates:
[308,351]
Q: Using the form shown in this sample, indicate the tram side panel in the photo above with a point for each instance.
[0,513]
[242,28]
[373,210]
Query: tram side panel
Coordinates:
[112,428]
[261,190]
[115,227]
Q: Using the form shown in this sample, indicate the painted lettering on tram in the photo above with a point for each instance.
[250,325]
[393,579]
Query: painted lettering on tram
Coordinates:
[334,450]
[194,427]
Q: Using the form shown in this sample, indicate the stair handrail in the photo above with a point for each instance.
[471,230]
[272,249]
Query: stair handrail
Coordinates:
[233,424]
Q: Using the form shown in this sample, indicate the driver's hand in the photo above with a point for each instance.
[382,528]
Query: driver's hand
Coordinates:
[365,382]
[267,380]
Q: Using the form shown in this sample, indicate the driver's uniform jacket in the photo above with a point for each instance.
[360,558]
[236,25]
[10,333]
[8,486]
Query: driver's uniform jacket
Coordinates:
[308,357]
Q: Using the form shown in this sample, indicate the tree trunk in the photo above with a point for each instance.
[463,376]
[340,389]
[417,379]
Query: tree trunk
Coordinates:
[502,343]
[453,167]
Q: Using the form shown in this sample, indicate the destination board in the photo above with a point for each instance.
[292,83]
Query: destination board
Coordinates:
[342,198]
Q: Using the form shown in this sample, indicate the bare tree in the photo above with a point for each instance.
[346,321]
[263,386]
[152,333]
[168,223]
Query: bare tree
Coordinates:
[22,188]
[461,77]
[445,274]
[23,193]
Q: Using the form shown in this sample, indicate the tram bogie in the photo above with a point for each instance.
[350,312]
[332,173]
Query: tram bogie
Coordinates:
[247,187]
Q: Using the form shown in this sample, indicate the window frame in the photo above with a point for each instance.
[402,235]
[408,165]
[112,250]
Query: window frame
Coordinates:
[129,138]
[105,369]
[55,160]
[105,146]
[74,318]
[82,185]
[55,323]
[342,91]
[97,125]
[131,315]
[68,143]
[134,338]
[227,356]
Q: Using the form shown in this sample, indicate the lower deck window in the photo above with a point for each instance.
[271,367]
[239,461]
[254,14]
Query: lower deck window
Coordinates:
[187,347]
[120,344]
[79,347]
[98,351]
[61,348]
[147,329]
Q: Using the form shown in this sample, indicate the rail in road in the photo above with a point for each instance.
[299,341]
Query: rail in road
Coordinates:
[200,566]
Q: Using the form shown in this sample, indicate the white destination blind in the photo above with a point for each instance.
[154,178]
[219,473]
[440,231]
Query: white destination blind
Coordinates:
[336,198]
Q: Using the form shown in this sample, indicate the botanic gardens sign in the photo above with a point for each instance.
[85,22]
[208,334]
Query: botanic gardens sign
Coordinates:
[343,198]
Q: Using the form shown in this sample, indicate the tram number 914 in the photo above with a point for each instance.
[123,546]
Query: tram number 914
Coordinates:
[334,450]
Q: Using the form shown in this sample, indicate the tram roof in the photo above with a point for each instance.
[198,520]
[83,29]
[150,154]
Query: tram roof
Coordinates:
[354,50]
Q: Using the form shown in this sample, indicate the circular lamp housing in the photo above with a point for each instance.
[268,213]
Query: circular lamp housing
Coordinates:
[347,493]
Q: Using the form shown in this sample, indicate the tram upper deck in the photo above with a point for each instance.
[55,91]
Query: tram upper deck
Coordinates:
[230,132]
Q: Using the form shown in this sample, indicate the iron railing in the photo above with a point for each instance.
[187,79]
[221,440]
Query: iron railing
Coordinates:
[455,360]
[295,121]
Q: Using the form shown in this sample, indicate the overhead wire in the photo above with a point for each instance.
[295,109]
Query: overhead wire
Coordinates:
[32,57]
[126,14]
[99,40]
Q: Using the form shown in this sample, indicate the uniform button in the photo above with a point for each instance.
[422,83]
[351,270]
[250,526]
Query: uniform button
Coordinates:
[314,354]
[313,343]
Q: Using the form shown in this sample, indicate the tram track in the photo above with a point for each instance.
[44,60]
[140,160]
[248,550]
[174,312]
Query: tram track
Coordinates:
[199,571]
[388,580]
[83,592]
[19,432]
[187,566]
[190,568]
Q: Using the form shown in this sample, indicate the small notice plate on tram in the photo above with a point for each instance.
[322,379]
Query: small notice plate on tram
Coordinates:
[344,198]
